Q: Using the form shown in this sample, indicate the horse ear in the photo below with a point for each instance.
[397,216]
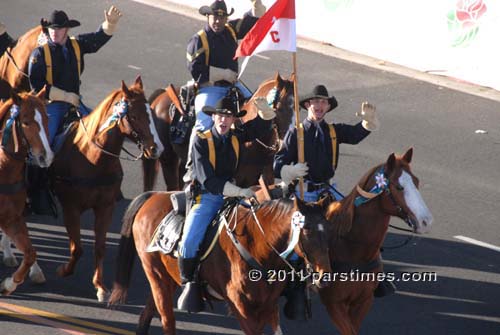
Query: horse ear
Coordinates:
[15,97]
[125,89]
[138,82]
[391,163]
[278,79]
[408,155]
[42,93]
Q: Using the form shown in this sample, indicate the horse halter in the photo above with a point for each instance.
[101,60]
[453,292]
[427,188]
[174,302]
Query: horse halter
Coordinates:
[382,187]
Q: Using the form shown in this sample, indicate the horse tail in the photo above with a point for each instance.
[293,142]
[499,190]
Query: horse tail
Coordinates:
[126,252]
[150,169]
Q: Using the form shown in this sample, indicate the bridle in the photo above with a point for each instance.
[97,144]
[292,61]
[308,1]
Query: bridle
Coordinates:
[13,129]
[381,188]
[120,112]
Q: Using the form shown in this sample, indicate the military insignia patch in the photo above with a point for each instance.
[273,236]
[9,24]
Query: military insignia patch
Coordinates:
[42,38]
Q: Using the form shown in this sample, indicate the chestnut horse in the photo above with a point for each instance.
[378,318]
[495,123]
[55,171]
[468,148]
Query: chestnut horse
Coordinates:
[256,157]
[361,220]
[14,63]
[262,231]
[24,130]
[87,171]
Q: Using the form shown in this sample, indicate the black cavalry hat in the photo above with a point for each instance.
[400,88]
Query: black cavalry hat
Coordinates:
[218,8]
[319,92]
[225,106]
[59,19]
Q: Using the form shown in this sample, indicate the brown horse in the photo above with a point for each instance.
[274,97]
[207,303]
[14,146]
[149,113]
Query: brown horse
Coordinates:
[87,171]
[24,130]
[262,232]
[257,156]
[14,63]
[362,219]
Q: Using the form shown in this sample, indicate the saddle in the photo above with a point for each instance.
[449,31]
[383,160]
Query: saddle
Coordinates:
[168,233]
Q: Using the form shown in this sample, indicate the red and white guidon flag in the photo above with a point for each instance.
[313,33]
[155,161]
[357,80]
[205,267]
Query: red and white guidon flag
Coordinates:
[275,30]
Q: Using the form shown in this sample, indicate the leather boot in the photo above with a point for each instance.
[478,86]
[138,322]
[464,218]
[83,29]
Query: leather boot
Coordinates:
[297,306]
[190,299]
[384,288]
[41,200]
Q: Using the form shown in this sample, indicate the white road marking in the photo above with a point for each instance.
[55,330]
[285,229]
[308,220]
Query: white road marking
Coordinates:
[477,242]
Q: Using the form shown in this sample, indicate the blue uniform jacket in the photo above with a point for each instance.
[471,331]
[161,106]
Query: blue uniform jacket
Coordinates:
[225,162]
[318,154]
[64,74]
[222,48]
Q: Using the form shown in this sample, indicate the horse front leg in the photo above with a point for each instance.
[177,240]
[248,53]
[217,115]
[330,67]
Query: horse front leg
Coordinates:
[16,229]
[9,259]
[339,315]
[71,219]
[358,312]
[103,219]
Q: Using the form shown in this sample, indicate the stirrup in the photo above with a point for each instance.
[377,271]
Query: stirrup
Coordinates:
[190,299]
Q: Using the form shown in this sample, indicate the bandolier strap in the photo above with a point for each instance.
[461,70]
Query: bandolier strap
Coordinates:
[48,60]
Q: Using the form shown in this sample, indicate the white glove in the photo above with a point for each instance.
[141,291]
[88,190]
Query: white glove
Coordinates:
[217,73]
[258,9]
[231,190]
[56,94]
[265,111]
[3,29]
[290,172]
[367,114]
[112,16]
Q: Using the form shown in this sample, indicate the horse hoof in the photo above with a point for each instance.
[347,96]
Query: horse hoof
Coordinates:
[102,295]
[36,275]
[8,286]
[10,262]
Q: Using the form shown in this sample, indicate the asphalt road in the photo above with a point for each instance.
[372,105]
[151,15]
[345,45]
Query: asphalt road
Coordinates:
[459,172]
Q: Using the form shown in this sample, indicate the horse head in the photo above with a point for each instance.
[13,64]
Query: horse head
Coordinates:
[313,241]
[398,189]
[27,126]
[138,122]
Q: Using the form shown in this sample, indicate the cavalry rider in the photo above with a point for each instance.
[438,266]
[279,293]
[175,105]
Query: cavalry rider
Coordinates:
[320,150]
[5,39]
[210,58]
[215,159]
[58,65]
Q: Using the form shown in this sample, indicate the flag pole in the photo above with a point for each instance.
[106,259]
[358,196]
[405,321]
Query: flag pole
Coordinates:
[298,124]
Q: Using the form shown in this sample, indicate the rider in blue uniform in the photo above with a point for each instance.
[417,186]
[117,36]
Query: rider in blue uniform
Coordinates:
[210,58]
[319,166]
[212,181]
[58,65]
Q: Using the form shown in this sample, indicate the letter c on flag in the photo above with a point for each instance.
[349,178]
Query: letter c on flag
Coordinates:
[275,36]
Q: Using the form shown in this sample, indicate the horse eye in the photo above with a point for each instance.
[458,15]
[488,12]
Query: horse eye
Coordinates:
[25,123]
[399,187]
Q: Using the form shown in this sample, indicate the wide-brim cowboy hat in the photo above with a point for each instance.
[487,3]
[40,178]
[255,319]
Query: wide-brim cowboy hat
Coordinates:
[225,106]
[319,92]
[59,19]
[217,8]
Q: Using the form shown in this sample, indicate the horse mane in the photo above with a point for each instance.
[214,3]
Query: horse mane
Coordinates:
[4,109]
[97,116]
[270,214]
[341,213]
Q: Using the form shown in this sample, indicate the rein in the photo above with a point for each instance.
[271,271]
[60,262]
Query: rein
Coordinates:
[11,58]
[101,148]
